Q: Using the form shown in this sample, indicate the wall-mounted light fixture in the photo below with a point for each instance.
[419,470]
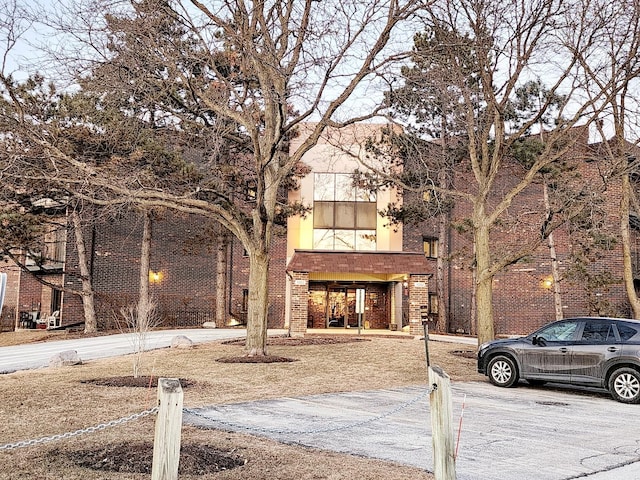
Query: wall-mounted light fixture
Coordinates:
[547,282]
[155,277]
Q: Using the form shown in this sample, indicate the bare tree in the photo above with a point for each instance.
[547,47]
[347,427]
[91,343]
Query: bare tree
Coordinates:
[144,300]
[140,319]
[238,78]
[138,329]
[495,52]
[617,125]
[87,292]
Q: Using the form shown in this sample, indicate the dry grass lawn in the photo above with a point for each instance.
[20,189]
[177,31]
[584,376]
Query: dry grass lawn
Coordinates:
[51,401]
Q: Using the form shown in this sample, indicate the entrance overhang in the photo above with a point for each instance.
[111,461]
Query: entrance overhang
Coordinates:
[406,273]
[381,266]
[355,277]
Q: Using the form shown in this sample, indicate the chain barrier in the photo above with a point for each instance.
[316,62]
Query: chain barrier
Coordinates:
[102,426]
[151,411]
[318,430]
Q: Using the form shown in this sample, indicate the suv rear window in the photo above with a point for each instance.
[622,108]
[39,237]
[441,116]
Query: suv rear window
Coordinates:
[598,332]
[626,332]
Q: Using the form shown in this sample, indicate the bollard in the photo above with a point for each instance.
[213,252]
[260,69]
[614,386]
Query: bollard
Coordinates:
[444,467]
[166,444]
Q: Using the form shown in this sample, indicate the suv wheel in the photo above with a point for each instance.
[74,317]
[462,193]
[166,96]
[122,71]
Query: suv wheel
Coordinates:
[502,371]
[624,385]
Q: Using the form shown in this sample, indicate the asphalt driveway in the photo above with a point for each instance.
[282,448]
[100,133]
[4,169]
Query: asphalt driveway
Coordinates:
[523,433]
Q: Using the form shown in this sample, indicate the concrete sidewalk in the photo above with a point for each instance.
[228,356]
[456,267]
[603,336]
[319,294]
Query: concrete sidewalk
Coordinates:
[37,355]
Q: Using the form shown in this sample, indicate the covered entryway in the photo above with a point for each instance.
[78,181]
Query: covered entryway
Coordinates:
[323,286]
[333,305]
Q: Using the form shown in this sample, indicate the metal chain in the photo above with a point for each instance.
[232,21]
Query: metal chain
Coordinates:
[102,426]
[145,413]
[318,430]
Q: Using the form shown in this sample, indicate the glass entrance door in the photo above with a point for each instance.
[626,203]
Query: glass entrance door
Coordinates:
[342,307]
[337,307]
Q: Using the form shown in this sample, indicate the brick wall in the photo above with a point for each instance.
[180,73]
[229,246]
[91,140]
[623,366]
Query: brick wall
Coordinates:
[521,303]
[187,262]
[299,302]
[180,252]
[418,301]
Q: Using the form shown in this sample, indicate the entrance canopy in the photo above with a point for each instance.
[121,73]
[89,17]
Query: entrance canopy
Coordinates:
[320,293]
[381,266]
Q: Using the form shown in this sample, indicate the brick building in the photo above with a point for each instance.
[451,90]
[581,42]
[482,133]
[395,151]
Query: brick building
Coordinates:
[590,270]
[341,265]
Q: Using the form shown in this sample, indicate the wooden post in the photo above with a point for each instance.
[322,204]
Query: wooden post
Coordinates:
[166,445]
[444,467]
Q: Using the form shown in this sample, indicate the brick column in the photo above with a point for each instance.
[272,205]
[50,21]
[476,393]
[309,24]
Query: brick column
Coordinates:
[299,304]
[418,297]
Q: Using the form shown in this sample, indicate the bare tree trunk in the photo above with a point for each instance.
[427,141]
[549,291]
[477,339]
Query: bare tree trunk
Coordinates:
[473,328]
[258,304]
[141,323]
[626,247]
[557,298]
[484,285]
[444,180]
[88,299]
[221,279]
[145,260]
[441,262]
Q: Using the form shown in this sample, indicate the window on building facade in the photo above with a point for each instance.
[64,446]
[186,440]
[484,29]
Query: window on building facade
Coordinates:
[344,216]
[430,246]
[245,300]
[56,299]
[433,303]
[55,242]
[251,190]
[52,254]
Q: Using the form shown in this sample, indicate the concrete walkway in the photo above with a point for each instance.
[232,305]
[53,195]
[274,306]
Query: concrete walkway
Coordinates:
[522,433]
[37,355]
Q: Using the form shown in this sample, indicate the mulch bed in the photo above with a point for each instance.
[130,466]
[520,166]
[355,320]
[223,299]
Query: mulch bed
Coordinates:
[129,381]
[256,359]
[138,458]
[307,340]
[286,341]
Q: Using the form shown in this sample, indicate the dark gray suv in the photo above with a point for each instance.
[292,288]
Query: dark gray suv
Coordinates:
[597,352]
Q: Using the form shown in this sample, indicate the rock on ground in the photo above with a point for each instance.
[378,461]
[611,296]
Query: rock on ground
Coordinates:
[65,358]
[181,341]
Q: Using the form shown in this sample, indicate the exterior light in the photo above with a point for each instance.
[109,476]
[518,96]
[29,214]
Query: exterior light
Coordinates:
[547,283]
[155,277]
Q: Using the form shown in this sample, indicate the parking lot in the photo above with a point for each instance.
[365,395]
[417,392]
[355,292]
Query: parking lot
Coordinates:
[522,433]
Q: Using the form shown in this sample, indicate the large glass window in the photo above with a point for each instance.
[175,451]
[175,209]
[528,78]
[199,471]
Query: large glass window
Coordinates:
[430,247]
[344,216]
